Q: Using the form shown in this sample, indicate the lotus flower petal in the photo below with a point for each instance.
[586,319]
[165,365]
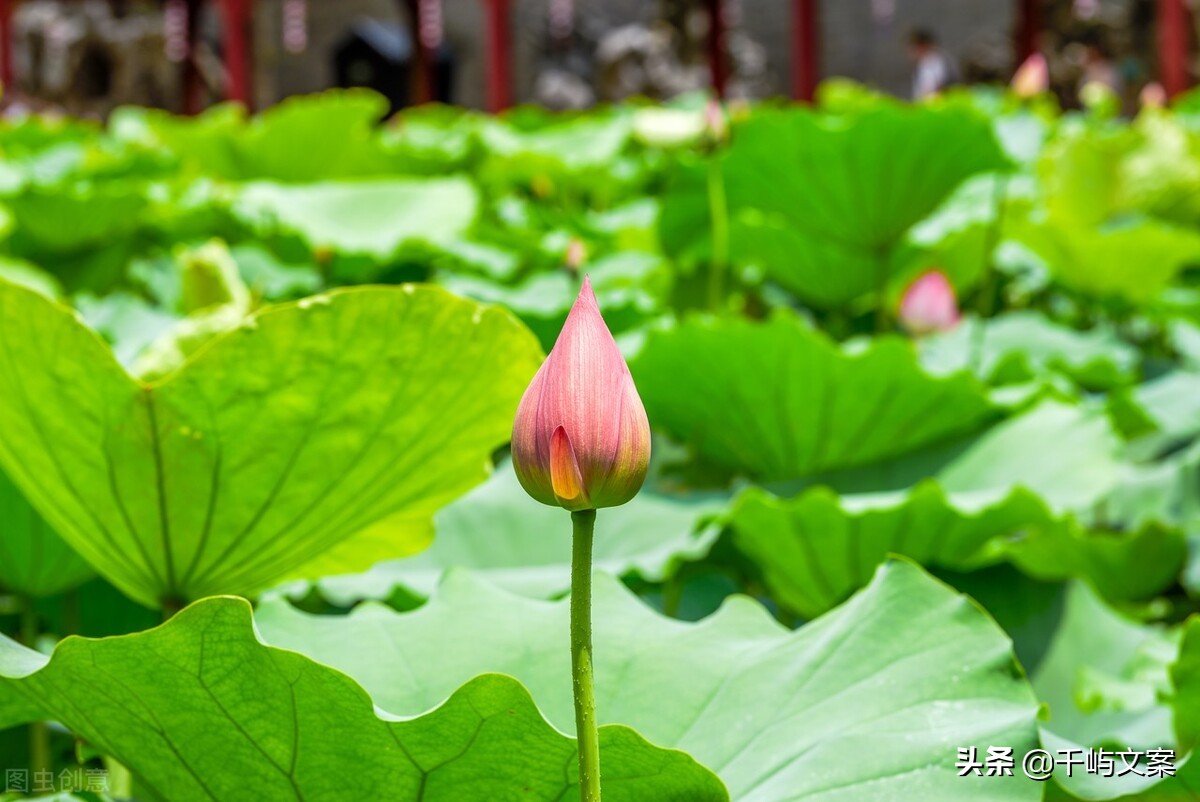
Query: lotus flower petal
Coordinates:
[1153,96]
[1032,77]
[581,439]
[929,304]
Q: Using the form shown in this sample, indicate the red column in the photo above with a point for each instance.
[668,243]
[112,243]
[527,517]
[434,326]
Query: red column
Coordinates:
[239,63]
[1028,31]
[805,53]
[193,81]
[499,55]
[6,44]
[718,61]
[1173,38]
[427,22]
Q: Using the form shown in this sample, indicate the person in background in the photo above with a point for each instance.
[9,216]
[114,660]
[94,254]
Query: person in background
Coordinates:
[935,70]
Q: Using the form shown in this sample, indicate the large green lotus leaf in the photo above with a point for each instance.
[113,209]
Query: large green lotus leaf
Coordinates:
[206,142]
[1161,176]
[1022,133]
[630,287]
[905,672]
[1079,172]
[684,225]
[1155,494]
[272,279]
[817,548]
[1183,335]
[18,271]
[1105,681]
[431,140]
[953,239]
[665,127]
[803,405]
[67,165]
[128,322]
[964,236]
[526,548]
[1185,701]
[1096,260]
[1160,414]
[1096,543]
[1191,574]
[73,218]
[1018,346]
[372,218]
[305,138]
[1185,678]
[579,163]
[26,134]
[200,709]
[279,440]
[584,143]
[1016,453]
[400,534]
[1123,564]
[34,560]
[315,137]
[630,226]
[821,200]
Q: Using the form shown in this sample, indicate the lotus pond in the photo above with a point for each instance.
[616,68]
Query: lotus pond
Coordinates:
[261,536]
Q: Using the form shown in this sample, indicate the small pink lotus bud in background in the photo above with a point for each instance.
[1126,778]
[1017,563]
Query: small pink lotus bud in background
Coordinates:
[1153,96]
[716,127]
[575,256]
[581,439]
[929,304]
[1032,77]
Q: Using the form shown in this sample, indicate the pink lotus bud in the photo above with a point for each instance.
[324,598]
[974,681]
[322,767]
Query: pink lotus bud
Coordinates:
[1153,96]
[715,124]
[576,254]
[581,439]
[929,304]
[1032,77]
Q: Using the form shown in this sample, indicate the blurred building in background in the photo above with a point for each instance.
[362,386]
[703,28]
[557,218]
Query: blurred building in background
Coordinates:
[88,56]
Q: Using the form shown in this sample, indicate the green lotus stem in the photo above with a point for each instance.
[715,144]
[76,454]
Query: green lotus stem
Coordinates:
[583,523]
[881,283]
[170,606]
[70,603]
[39,734]
[672,595]
[718,209]
[120,781]
[987,289]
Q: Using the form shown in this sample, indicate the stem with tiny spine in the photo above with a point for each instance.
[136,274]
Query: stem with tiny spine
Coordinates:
[583,524]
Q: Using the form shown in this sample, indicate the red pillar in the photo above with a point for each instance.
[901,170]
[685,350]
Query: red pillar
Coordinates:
[805,53]
[1173,39]
[499,55]
[237,33]
[6,44]
[718,61]
[1029,30]
[193,81]
[427,22]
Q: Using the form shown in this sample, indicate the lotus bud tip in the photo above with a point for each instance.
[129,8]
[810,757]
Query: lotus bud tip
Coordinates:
[1032,77]
[929,304]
